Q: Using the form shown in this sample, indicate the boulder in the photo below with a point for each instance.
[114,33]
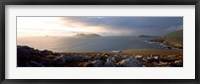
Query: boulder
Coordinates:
[178,61]
[138,57]
[34,64]
[97,57]
[129,63]
[97,63]
[24,55]
[156,57]
[120,56]
[80,58]
[46,52]
[24,52]
[110,62]
[126,56]
[88,64]
[61,60]
[43,61]
[117,55]
[67,58]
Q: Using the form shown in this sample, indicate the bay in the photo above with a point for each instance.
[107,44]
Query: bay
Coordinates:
[98,44]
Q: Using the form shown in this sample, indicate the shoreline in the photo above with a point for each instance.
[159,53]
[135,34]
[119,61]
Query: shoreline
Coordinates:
[169,42]
[30,57]
[162,44]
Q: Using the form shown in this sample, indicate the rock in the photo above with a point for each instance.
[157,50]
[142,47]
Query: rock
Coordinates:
[34,64]
[24,52]
[155,57]
[117,56]
[24,55]
[67,58]
[150,59]
[129,63]
[103,59]
[97,63]
[88,64]
[61,60]
[120,56]
[177,61]
[163,63]
[138,56]
[97,57]
[125,56]
[80,58]
[43,61]
[144,59]
[46,52]
[110,62]
[106,55]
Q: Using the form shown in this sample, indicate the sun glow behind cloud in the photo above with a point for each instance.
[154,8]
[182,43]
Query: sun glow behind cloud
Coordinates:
[102,25]
[52,26]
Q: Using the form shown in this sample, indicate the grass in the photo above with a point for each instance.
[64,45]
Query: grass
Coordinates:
[153,52]
[175,34]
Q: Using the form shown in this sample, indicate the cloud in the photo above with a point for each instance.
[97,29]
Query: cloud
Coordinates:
[103,25]
[126,25]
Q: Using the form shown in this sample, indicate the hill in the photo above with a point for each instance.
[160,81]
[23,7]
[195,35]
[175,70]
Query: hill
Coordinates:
[82,35]
[178,33]
[173,39]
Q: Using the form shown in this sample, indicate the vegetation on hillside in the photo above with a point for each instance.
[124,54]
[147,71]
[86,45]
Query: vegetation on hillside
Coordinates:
[178,33]
[173,39]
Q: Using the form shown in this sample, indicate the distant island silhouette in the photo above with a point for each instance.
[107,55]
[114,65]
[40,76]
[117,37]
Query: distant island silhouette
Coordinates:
[83,35]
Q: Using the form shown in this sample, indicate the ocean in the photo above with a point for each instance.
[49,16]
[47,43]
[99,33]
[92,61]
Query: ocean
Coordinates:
[98,44]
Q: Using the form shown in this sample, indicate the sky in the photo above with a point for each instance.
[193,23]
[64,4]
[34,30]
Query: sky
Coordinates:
[102,25]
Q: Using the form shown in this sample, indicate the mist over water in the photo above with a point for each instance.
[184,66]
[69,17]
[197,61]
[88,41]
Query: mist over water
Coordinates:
[99,44]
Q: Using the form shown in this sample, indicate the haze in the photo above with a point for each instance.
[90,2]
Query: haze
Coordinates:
[102,25]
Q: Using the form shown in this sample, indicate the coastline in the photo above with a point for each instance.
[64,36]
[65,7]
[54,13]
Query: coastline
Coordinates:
[162,44]
[169,42]
[30,57]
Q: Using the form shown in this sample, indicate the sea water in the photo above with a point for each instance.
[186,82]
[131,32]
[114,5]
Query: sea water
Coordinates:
[97,44]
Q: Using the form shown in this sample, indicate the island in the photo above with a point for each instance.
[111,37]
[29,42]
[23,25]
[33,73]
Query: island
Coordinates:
[83,35]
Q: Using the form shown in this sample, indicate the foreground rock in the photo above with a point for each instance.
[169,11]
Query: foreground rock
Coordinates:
[80,58]
[34,64]
[29,57]
[110,62]
[97,63]
[61,60]
[129,63]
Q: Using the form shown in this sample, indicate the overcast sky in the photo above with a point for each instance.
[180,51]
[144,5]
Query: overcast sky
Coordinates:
[103,25]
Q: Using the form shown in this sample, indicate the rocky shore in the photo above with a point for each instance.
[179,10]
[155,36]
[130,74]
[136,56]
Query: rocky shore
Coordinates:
[30,57]
[170,42]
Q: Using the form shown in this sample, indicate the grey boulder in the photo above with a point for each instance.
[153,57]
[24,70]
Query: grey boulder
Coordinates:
[110,62]
[34,64]
[129,63]
[61,60]
[97,63]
